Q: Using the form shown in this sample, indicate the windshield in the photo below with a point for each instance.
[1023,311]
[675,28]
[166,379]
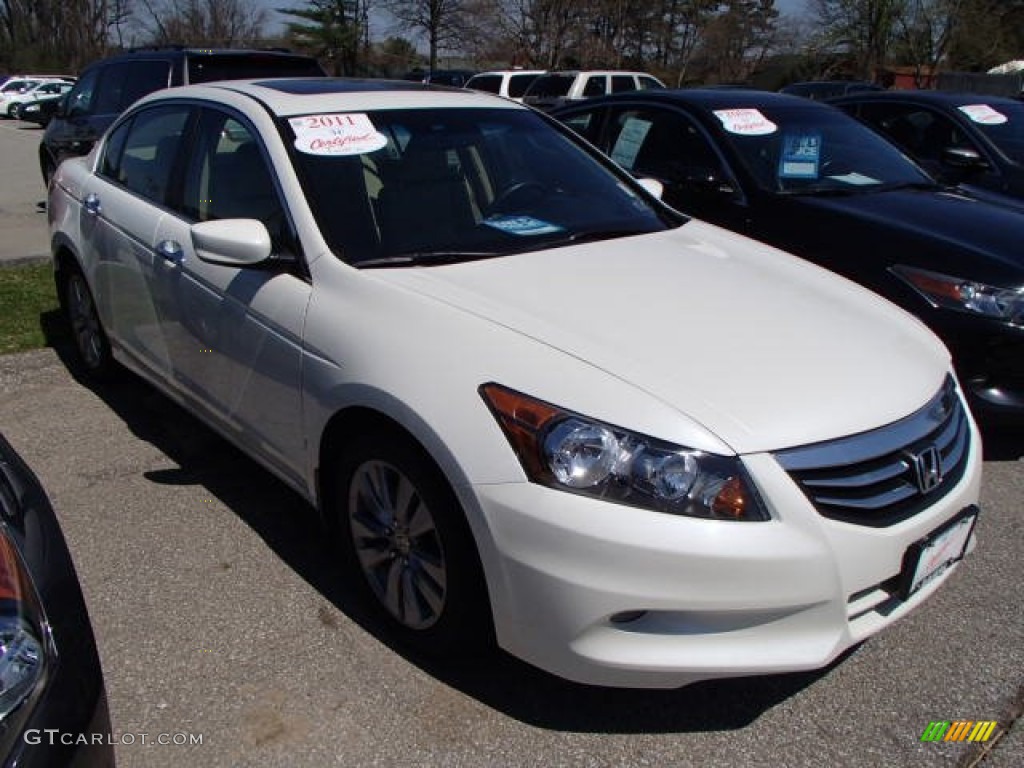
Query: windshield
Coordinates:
[1003,123]
[814,149]
[431,185]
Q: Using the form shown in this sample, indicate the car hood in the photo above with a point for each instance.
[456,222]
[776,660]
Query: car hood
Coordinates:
[764,350]
[982,237]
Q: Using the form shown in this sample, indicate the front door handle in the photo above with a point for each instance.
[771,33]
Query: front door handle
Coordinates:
[92,204]
[171,250]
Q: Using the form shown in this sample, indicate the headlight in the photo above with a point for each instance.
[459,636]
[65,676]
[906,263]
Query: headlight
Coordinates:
[964,295]
[22,650]
[565,450]
[30,108]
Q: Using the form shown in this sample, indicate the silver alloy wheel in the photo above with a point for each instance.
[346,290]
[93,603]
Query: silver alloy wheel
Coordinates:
[397,544]
[85,324]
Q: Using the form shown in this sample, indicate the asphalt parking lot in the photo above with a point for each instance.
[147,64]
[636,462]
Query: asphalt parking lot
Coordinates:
[219,615]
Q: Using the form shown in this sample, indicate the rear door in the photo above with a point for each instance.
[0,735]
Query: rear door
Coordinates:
[235,334]
[124,203]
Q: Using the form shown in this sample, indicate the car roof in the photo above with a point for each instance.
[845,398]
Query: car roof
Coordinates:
[511,72]
[303,96]
[939,98]
[705,98]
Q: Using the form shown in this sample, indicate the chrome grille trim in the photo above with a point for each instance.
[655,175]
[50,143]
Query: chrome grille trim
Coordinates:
[869,479]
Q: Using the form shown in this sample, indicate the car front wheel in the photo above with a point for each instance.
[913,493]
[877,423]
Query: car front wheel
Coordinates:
[406,541]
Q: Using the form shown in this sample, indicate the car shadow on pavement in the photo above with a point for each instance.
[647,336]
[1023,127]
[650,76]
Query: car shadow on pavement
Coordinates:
[294,531]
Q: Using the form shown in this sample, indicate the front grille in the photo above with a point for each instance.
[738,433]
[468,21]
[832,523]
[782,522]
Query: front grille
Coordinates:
[882,477]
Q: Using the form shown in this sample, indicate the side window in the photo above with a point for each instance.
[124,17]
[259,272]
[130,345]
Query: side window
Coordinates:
[596,85]
[228,177]
[149,151]
[113,152]
[646,83]
[144,77]
[664,144]
[489,83]
[83,94]
[920,131]
[517,85]
[621,83]
[586,124]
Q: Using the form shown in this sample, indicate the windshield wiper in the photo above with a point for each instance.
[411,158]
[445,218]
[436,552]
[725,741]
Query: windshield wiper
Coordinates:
[594,235]
[418,258]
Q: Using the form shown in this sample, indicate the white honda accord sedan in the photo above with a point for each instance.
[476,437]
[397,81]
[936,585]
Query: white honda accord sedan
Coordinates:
[533,404]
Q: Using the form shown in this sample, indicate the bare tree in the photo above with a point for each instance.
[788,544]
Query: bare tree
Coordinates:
[221,23]
[925,31]
[438,20]
[864,28]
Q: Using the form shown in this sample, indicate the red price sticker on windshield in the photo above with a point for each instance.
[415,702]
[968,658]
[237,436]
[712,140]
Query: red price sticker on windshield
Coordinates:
[336,134]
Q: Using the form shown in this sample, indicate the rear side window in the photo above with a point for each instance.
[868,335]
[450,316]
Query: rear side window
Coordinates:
[622,83]
[489,83]
[126,82]
[517,84]
[140,154]
[596,85]
[205,69]
[551,85]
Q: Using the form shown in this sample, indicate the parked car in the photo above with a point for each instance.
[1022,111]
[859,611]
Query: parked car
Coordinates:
[456,78]
[528,398]
[508,83]
[40,111]
[14,88]
[557,88]
[811,180]
[819,90]
[109,86]
[52,681]
[963,138]
[44,90]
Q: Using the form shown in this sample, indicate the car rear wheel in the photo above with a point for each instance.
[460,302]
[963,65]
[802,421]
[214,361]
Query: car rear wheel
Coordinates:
[91,342]
[407,543]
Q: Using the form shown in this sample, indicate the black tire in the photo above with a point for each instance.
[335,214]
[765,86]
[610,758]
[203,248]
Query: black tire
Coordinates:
[91,344]
[406,542]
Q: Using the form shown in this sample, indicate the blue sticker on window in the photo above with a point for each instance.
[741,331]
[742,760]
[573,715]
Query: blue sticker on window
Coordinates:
[801,156]
[521,225]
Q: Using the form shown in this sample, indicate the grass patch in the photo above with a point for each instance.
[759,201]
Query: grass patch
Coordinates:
[28,307]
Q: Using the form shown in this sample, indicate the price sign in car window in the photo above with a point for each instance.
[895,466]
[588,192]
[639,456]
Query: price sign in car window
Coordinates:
[801,156]
[631,138]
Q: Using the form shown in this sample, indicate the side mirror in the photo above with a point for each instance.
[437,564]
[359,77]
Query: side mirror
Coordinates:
[232,242]
[62,106]
[963,159]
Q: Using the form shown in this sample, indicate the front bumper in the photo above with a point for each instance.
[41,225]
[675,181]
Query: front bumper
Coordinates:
[611,595]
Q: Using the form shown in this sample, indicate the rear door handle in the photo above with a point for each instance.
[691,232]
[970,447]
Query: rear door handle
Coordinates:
[92,204]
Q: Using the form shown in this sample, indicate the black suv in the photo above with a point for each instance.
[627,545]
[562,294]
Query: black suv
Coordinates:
[107,87]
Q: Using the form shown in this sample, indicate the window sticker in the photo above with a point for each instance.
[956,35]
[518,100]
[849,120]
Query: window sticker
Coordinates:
[336,134]
[631,138]
[745,122]
[801,156]
[522,226]
[984,114]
